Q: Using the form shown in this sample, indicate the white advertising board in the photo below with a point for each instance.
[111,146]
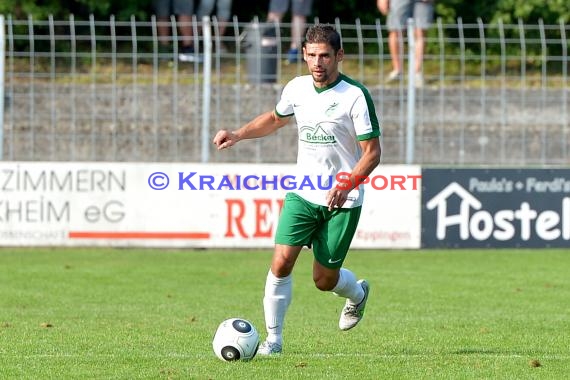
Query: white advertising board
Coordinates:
[201,205]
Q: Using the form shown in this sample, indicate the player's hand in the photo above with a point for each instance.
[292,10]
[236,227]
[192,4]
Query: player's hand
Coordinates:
[336,198]
[224,139]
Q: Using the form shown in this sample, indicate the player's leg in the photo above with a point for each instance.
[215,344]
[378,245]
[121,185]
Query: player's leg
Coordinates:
[296,226]
[331,245]
[278,295]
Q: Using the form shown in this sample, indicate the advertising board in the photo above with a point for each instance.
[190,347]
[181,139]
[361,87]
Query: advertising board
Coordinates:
[496,208]
[182,205]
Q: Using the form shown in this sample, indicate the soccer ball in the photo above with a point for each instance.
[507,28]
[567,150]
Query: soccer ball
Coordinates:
[236,339]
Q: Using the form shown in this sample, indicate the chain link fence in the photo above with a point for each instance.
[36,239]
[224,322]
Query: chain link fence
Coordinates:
[102,90]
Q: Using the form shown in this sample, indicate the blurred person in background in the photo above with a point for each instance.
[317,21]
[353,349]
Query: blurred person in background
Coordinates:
[300,9]
[398,12]
[183,10]
[223,14]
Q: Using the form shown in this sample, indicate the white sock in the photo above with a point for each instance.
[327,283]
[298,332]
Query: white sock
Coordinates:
[278,293]
[347,286]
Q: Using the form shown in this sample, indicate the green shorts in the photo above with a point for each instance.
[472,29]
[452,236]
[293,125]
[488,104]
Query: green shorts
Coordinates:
[328,232]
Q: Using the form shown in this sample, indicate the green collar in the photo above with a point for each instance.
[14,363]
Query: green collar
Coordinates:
[321,89]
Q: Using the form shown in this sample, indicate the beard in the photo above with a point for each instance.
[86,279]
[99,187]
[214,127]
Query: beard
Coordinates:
[320,77]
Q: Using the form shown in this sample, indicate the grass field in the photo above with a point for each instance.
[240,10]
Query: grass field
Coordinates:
[138,314]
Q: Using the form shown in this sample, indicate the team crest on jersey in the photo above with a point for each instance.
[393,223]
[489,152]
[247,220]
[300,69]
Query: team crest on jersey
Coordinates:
[316,135]
[331,109]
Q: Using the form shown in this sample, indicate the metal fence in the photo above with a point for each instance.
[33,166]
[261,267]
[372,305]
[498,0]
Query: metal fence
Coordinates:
[102,90]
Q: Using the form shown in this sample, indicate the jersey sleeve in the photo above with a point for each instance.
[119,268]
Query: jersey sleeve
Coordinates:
[364,117]
[284,107]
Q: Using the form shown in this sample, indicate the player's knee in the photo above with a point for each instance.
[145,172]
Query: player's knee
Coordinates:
[282,266]
[282,271]
[324,284]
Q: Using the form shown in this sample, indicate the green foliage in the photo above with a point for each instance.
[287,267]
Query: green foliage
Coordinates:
[551,12]
[21,9]
[530,11]
[81,9]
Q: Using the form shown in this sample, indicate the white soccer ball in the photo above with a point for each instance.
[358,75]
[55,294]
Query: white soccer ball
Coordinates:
[236,339]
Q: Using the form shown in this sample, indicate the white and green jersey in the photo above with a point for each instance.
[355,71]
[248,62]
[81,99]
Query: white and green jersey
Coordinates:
[331,121]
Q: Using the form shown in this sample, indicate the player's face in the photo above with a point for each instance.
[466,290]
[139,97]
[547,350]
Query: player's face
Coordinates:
[322,62]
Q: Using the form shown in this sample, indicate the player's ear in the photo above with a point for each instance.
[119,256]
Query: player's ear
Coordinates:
[340,55]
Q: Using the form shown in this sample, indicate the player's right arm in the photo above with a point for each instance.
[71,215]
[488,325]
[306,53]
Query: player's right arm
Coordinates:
[263,125]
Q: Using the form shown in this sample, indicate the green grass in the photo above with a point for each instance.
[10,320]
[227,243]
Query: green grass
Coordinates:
[151,314]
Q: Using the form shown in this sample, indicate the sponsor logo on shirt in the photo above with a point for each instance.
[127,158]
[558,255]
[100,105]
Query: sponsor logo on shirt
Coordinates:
[316,136]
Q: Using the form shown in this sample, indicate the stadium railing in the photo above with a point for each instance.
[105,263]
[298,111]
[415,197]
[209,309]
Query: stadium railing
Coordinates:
[102,90]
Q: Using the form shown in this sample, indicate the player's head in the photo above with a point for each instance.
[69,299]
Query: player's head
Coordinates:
[322,33]
[322,52]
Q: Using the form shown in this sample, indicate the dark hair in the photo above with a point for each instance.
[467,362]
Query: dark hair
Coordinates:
[323,33]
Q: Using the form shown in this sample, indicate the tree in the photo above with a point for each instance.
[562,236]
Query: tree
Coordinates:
[509,11]
[530,11]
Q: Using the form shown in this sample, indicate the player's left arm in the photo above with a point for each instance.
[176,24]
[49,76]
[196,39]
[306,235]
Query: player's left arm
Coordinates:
[367,128]
[371,153]
[370,159]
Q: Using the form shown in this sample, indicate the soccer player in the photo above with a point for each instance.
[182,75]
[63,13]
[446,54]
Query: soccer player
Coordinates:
[338,133]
